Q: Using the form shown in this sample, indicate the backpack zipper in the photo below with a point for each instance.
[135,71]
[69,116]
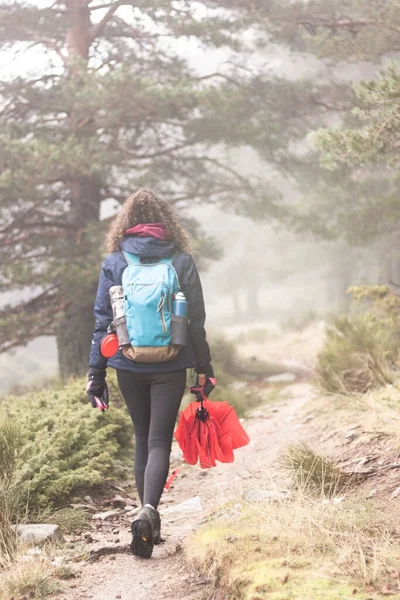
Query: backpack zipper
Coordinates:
[160,309]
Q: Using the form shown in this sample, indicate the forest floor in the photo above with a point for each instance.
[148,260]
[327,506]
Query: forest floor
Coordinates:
[166,575]
[360,435]
[118,574]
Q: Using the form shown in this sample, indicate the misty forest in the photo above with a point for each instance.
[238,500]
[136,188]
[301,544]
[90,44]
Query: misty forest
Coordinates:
[272,130]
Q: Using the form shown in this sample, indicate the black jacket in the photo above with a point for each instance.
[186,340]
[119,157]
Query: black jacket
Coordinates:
[197,352]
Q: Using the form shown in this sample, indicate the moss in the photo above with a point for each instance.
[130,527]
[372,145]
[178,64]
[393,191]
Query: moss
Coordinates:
[277,553]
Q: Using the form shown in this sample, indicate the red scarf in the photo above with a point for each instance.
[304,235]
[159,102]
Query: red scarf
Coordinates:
[155,230]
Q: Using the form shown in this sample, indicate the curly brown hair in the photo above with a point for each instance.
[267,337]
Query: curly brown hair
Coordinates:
[145,207]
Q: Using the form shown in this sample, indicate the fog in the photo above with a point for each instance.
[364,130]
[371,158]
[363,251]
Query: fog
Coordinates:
[266,272]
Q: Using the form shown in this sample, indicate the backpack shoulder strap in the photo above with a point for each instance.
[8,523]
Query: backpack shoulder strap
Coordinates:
[170,261]
[131,259]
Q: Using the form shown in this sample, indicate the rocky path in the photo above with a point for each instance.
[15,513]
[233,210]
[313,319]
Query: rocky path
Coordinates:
[166,577]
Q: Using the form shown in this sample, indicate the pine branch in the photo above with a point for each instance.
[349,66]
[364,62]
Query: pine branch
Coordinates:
[97,29]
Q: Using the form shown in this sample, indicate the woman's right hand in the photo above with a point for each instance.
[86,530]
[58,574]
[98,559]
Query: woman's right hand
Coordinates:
[97,389]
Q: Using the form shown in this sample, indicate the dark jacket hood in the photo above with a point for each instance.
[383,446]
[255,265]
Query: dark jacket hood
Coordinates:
[148,247]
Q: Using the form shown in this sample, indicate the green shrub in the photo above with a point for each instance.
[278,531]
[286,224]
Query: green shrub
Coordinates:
[67,446]
[224,355]
[357,357]
[300,321]
[362,349]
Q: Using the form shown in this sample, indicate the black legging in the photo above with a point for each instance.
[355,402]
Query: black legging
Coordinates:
[153,401]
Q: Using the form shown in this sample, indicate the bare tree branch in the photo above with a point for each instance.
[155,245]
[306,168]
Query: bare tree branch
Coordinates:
[97,29]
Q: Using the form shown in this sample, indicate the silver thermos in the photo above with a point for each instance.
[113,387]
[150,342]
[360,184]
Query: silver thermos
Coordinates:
[117,298]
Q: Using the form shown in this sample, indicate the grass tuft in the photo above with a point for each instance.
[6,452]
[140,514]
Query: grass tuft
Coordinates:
[70,520]
[10,505]
[315,473]
[64,572]
[31,579]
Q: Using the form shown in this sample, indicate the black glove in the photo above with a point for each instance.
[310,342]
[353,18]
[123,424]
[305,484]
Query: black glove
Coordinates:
[205,383]
[97,389]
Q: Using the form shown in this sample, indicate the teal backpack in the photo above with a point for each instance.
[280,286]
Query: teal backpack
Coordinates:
[149,291]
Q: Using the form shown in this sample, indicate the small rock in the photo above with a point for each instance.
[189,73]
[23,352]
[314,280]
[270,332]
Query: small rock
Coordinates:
[38,533]
[239,385]
[118,501]
[118,488]
[34,551]
[108,514]
[88,538]
[176,456]
[338,500]
[191,505]
[258,415]
[115,531]
[227,514]
[133,511]
[118,596]
[264,496]
[282,378]
[395,493]
[117,541]
[308,418]
[88,499]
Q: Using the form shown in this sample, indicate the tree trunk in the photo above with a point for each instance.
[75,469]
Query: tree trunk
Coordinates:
[78,38]
[394,254]
[74,334]
[341,278]
[236,305]
[75,328]
[253,305]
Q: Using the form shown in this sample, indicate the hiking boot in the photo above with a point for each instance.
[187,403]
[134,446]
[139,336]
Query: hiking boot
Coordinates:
[145,532]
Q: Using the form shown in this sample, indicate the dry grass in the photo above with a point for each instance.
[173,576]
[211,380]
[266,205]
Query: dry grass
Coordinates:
[358,356]
[31,579]
[300,548]
[314,473]
[10,505]
[70,520]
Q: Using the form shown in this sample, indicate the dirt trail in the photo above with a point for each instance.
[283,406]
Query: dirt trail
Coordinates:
[166,576]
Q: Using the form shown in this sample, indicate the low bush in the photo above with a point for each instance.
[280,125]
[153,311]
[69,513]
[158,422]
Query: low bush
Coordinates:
[300,321]
[225,356]
[362,349]
[67,447]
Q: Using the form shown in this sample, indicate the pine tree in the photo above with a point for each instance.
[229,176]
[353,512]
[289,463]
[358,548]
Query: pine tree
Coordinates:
[115,108]
[357,200]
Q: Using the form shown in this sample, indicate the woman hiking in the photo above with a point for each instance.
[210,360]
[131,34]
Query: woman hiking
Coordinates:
[146,244]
